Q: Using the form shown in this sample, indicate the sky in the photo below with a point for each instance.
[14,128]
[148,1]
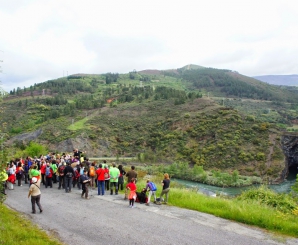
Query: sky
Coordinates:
[42,40]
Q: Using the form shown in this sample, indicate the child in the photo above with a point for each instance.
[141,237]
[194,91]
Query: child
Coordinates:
[132,192]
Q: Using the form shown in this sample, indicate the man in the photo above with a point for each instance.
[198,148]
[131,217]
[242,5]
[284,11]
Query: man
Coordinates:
[100,172]
[54,168]
[114,175]
[77,154]
[131,174]
[68,175]
[84,179]
[34,192]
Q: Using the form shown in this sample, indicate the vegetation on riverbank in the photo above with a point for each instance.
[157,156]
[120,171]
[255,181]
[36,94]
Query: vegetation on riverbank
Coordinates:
[260,207]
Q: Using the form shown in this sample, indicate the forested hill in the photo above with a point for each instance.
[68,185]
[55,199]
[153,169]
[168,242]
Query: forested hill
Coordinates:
[210,117]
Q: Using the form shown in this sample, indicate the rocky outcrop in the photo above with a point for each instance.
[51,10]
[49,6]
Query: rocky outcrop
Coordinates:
[290,148]
[25,138]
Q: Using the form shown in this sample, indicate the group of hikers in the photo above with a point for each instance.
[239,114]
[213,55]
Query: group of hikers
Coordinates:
[73,170]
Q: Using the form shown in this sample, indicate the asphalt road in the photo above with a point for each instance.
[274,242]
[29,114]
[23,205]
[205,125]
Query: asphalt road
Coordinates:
[108,220]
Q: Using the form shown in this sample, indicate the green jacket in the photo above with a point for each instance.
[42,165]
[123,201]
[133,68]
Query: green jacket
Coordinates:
[54,168]
[3,176]
[114,174]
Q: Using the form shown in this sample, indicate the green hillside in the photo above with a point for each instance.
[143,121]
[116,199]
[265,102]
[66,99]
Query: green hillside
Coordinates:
[208,117]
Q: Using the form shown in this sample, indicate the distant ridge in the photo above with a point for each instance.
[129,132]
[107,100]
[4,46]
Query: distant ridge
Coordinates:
[287,80]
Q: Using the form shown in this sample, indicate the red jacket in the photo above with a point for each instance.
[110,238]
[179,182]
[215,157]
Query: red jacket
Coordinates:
[100,174]
[43,168]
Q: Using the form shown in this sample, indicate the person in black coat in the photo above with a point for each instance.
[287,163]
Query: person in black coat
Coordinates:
[68,175]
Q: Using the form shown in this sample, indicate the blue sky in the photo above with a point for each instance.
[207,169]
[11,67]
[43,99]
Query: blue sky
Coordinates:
[42,40]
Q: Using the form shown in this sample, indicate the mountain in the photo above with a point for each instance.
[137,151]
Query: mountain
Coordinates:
[215,118]
[286,80]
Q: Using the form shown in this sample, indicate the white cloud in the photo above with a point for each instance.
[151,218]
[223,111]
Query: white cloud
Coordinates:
[41,39]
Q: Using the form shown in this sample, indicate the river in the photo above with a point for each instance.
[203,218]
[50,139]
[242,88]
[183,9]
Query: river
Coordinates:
[210,190]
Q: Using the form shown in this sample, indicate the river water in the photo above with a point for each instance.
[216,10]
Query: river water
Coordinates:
[210,190]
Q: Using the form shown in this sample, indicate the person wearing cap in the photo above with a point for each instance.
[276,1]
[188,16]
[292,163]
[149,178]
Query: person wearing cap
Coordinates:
[34,192]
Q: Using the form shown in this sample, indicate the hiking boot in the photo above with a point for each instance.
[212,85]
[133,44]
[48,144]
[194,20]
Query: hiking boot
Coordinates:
[87,198]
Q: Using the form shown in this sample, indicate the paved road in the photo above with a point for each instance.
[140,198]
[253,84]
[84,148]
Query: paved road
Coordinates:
[108,220]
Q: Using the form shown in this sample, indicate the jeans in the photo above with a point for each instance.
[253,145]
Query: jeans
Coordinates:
[107,184]
[85,191]
[115,184]
[49,182]
[67,183]
[35,199]
[61,182]
[101,187]
[165,192]
[150,194]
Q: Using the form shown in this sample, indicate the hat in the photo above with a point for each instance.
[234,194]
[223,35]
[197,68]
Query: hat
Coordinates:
[34,180]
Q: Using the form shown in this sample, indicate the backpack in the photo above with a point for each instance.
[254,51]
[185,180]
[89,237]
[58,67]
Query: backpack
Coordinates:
[48,171]
[106,175]
[152,186]
[19,173]
[77,174]
[92,171]
[61,170]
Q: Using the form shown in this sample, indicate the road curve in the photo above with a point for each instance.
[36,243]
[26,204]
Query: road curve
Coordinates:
[108,220]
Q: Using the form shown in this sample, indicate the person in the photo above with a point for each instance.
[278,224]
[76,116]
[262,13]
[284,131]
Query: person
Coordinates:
[131,174]
[77,154]
[60,171]
[3,178]
[92,174]
[114,175]
[54,168]
[152,191]
[84,179]
[49,176]
[131,186]
[34,192]
[107,177]
[19,173]
[68,175]
[100,172]
[43,166]
[26,172]
[121,179]
[141,196]
[165,187]
[76,178]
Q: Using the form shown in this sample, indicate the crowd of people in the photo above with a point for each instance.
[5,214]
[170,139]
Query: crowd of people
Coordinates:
[74,171]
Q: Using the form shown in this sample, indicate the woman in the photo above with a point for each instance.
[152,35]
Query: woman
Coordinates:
[43,167]
[165,188]
[121,179]
[12,176]
[19,173]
